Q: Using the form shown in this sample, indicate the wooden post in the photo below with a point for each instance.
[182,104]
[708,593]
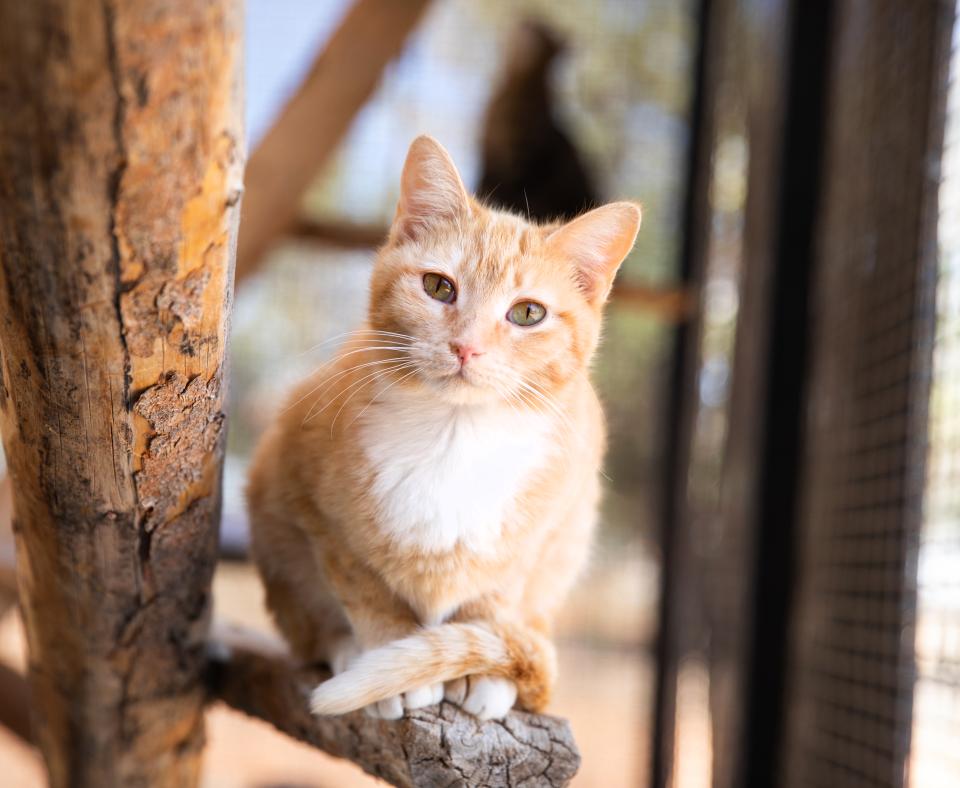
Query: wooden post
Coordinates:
[121,159]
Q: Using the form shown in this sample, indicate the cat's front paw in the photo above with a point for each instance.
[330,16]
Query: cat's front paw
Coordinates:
[485,697]
[392,708]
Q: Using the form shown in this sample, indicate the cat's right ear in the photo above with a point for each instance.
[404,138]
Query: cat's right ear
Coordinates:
[596,243]
[430,190]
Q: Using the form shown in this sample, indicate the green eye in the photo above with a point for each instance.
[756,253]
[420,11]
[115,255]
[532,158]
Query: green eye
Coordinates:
[526,313]
[440,288]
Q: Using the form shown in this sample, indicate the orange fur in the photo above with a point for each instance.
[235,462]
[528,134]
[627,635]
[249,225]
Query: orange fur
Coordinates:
[431,516]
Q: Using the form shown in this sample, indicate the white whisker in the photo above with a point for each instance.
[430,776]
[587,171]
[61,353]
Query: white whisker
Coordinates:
[377,334]
[509,397]
[398,364]
[330,381]
[541,396]
[346,371]
[414,371]
[379,375]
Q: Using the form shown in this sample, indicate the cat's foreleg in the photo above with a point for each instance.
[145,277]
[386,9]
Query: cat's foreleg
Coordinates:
[377,617]
[302,604]
[491,696]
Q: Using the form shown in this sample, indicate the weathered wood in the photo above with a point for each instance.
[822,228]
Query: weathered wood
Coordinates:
[120,170]
[342,79]
[436,746]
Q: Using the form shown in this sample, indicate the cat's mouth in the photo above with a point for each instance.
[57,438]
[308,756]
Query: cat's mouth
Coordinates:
[464,386]
[462,377]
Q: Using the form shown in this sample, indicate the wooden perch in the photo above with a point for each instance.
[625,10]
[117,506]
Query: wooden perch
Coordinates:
[341,81]
[436,746]
[121,159]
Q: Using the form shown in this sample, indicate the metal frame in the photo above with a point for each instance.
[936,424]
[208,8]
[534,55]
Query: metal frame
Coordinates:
[836,155]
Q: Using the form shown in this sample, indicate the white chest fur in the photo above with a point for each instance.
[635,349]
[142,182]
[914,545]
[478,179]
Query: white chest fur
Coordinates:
[448,475]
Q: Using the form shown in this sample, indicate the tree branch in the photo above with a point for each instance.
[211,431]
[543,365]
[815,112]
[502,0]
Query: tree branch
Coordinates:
[436,746]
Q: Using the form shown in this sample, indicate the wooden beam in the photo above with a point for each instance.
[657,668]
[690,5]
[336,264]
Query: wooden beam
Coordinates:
[340,234]
[440,745]
[120,169]
[669,304]
[342,79]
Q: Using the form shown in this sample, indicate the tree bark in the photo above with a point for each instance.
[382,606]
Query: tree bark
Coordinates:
[120,168]
[435,746]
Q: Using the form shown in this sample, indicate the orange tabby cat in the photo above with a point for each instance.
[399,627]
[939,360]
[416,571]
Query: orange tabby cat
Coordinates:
[425,502]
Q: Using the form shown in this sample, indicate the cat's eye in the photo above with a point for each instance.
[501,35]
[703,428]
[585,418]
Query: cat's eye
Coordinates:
[440,288]
[526,313]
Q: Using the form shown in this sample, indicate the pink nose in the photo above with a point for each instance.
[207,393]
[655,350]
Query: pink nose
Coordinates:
[464,352]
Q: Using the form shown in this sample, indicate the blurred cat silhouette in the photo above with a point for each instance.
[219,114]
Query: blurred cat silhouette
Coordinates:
[530,164]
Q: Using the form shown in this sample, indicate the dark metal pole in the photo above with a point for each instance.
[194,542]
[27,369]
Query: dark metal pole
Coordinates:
[781,452]
[678,419]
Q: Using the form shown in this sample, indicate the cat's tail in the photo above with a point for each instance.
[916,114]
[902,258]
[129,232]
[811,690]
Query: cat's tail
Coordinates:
[444,653]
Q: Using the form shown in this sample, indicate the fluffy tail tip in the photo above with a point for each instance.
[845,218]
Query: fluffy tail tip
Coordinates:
[327,699]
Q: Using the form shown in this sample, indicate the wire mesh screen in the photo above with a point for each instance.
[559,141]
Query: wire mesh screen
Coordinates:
[935,757]
[850,700]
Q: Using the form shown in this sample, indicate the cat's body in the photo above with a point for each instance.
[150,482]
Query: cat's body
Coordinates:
[423,507]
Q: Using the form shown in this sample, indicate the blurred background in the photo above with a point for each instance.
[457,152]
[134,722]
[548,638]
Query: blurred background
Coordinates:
[779,556]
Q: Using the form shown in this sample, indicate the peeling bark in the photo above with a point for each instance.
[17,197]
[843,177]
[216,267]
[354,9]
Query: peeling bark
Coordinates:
[120,170]
[436,746]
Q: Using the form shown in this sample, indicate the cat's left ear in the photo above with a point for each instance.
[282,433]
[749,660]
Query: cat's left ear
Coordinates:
[596,243]
[430,190]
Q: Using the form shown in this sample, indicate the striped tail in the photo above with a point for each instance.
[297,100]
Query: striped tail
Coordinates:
[444,653]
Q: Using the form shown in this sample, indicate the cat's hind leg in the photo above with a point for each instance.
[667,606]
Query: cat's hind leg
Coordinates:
[302,604]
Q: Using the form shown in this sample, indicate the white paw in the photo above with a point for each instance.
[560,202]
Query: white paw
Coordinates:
[392,708]
[388,709]
[485,697]
[427,695]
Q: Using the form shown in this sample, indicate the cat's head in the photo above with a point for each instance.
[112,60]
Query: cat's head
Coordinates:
[493,306]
